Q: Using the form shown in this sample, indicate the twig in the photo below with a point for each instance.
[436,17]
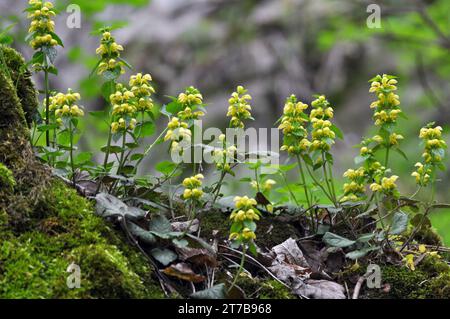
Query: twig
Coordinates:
[257,263]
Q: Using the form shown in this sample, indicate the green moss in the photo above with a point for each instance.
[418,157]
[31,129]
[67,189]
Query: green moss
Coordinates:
[272,289]
[263,289]
[45,225]
[34,263]
[431,280]
[7,180]
[21,78]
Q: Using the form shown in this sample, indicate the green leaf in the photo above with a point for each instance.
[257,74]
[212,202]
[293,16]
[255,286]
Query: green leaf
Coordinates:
[57,38]
[51,53]
[142,234]
[337,131]
[173,107]
[365,237]
[356,254]
[136,157]
[107,89]
[111,149]
[146,129]
[401,153]
[215,292]
[336,240]
[164,256]
[160,224]
[399,223]
[165,167]
[83,157]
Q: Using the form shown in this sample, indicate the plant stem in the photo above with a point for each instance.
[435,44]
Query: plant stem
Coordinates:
[386,159]
[47,107]
[319,185]
[122,153]
[302,176]
[72,165]
[241,266]
[108,146]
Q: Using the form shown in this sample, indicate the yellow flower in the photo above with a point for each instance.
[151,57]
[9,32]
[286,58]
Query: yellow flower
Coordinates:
[422,249]
[190,97]
[409,262]
[239,107]
[267,186]
[374,187]
[247,234]
[394,138]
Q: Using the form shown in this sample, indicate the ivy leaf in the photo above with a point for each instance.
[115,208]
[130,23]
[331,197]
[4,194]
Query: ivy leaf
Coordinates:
[160,224]
[164,256]
[399,223]
[215,292]
[336,240]
[356,254]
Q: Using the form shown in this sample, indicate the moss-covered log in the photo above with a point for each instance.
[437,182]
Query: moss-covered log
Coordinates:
[45,225]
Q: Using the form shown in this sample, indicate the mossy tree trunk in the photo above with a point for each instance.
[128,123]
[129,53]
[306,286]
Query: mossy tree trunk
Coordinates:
[44,225]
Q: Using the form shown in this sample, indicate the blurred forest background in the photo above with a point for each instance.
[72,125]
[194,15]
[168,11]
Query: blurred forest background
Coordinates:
[274,48]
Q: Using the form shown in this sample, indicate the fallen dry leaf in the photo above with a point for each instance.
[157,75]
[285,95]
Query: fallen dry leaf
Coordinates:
[319,289]
[290,265]
[197,256]
[184,272]
[181,226]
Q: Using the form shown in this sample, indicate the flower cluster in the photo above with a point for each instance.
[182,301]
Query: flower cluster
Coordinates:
[386,185]
[322,134]
[179,134]
[295,139]
[434,144]
[123,109]
[42,28]
[243,217]
[239,107]
[109,52]
[433,154]
[64,105]
[355,189]
[387,105]
[265,186]
[224,156]
[192,185]
[142,90]
[190,100]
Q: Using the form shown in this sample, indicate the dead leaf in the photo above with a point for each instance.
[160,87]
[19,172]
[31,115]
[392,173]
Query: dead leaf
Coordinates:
[184,272]
[319,289]
[288,261]
[181,226]
[197,256]
[290,265]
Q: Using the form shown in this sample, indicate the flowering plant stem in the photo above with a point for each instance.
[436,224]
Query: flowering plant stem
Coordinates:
[72,164]
[47,107]
[302,175]
[241,267]
[317,183]
[386,159]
